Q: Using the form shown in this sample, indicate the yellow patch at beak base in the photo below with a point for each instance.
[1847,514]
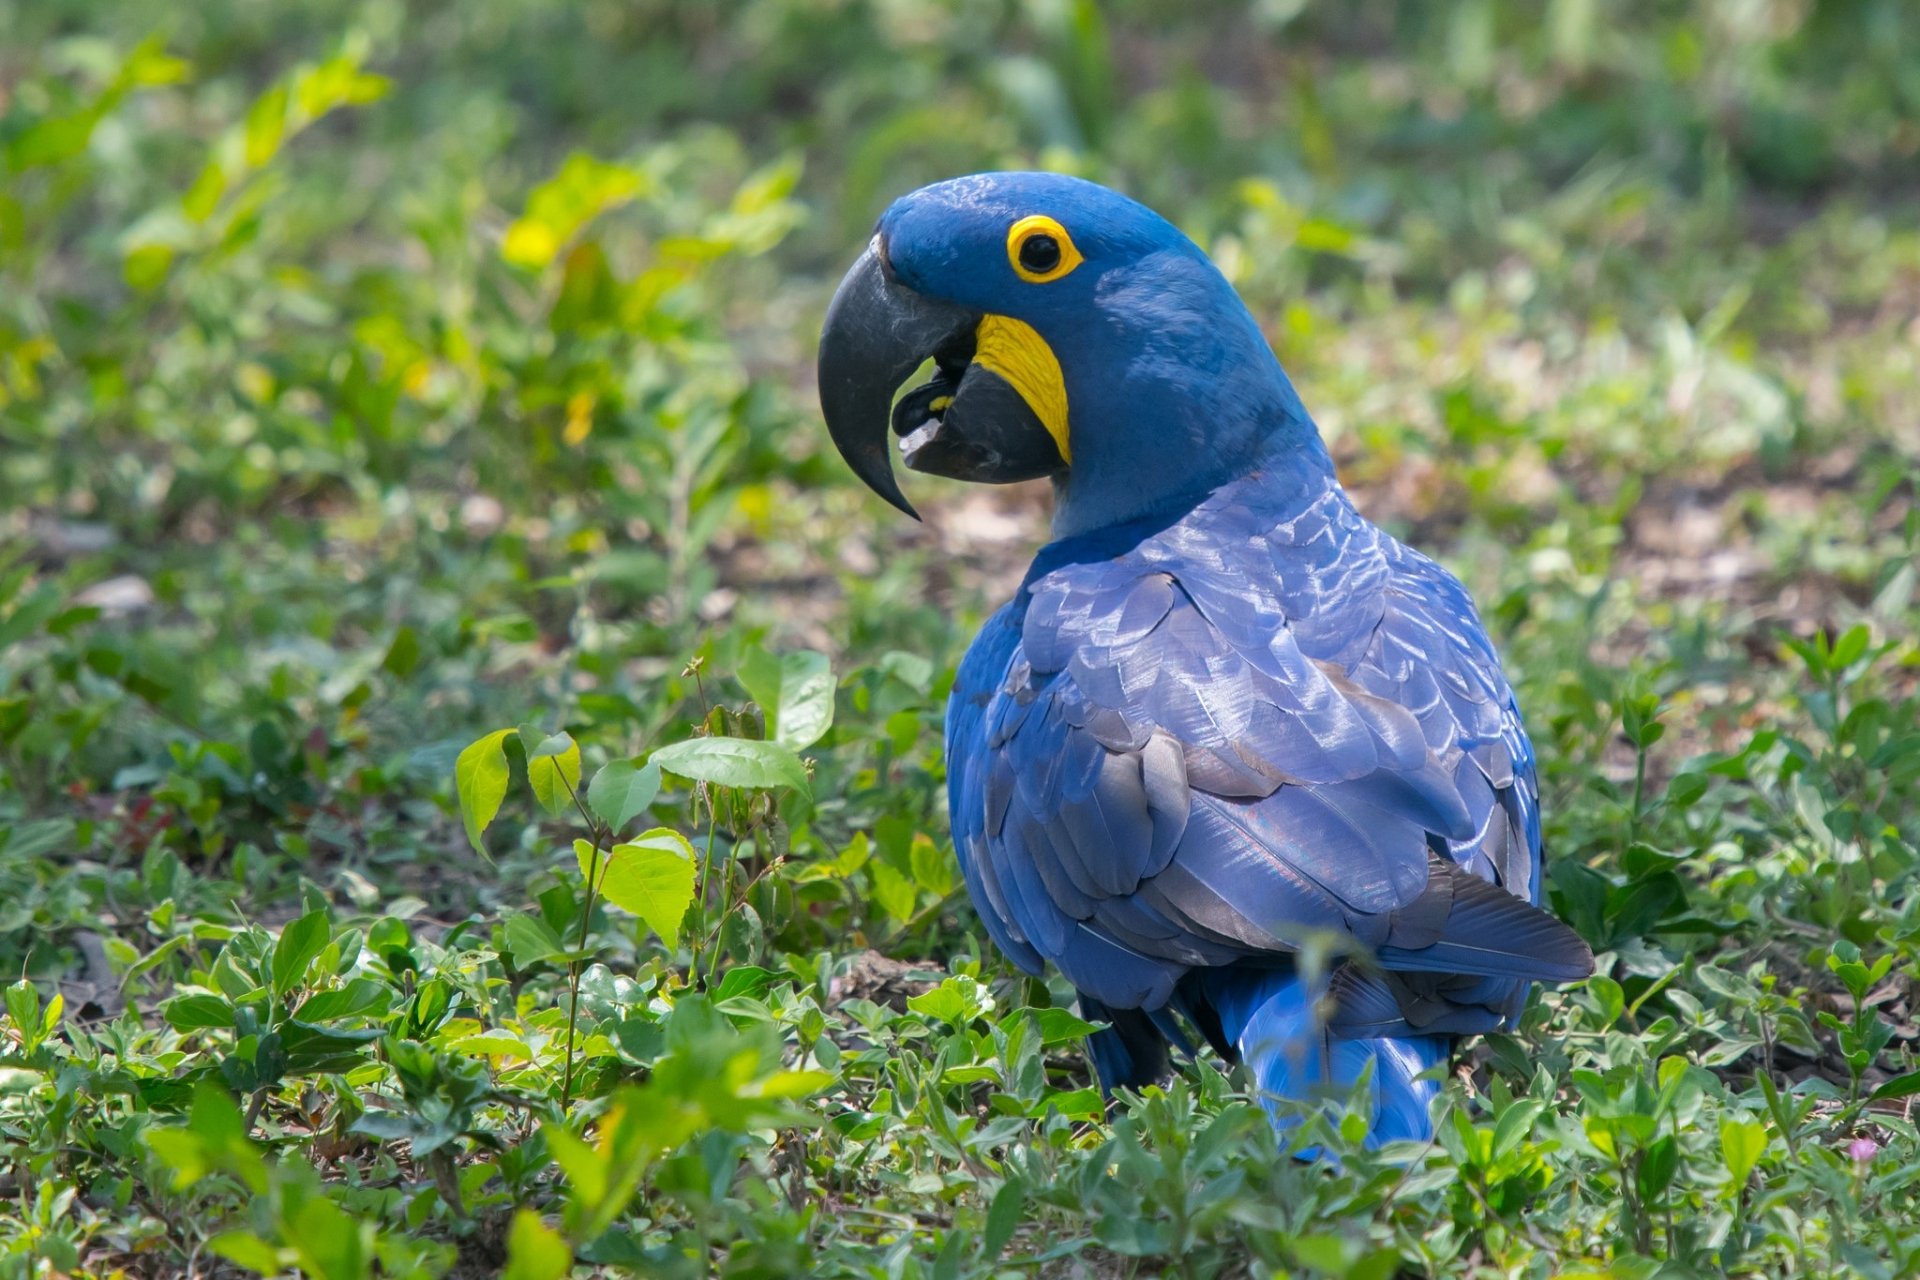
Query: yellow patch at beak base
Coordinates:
[1017,353]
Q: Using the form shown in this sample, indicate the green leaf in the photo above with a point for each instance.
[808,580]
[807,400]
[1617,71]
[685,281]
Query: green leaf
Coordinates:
[266,126]
[553,770]
[934,869]
[651,876]
[1514,1124]
[146,266]
[531,940]
[330,1244]
[1899,1087]
[1742,1143]
[299,943]
[535,1251]
[958,1000]
[585,1167]
[1078,1104]
[1059,1026]
[894,892]
[558,208]
[1849,648]
[195,1012]
[245,1249]
[403,654]
[796,692]
[1002,1219]
[480,778]
[735,762]
[213,1140]
[23,1010]
[362,997]
[619,793]
[1657,1167]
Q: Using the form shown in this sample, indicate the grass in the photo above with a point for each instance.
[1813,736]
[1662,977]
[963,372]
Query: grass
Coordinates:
[393,392]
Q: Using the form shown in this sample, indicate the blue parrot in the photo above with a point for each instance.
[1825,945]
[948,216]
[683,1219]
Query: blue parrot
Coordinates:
[1225,716]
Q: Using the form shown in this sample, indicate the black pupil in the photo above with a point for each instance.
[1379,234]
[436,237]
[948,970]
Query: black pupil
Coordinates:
[1040,253]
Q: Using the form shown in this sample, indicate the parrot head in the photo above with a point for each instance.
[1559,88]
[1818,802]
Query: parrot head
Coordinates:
[1074,334]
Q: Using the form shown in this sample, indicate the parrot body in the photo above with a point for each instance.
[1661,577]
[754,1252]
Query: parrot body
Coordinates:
[1226,722]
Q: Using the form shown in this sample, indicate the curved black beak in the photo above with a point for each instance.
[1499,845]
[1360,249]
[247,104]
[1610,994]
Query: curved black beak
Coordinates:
[877,332]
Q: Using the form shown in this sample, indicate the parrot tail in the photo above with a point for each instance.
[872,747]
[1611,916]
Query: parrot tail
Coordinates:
[1269,1016]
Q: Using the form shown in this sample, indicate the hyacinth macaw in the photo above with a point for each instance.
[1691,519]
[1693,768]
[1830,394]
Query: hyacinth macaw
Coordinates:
[1225,715]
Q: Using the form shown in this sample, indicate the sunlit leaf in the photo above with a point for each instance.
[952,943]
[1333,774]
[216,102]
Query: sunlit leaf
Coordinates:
[480,779]
[651,876]
[583,189]
[535,1251]
[734,762]
[1742,1143]
[796,692]
[553,771]
[299,943]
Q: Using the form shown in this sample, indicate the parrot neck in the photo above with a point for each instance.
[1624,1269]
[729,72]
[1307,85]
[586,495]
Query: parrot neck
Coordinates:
[1203,402]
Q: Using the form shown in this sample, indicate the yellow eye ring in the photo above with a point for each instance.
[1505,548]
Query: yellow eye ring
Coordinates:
[1040,249]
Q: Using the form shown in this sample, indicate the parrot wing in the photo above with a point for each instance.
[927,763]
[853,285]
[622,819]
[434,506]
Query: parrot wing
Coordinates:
[1177,756]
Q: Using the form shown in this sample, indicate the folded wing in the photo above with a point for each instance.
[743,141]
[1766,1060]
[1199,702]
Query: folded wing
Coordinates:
[1153,768]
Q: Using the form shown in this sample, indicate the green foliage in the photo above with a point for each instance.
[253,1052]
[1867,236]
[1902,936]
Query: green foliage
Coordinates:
[373,376]
[652,876]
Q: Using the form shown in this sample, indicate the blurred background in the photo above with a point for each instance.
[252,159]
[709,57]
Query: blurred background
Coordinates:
[493,320]
[374,373]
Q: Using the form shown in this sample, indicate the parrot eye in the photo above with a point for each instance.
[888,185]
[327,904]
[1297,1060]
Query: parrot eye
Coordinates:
[1040,253]
[1040,249]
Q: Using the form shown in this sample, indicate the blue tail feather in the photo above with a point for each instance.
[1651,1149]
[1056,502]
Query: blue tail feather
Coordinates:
[1269,1016]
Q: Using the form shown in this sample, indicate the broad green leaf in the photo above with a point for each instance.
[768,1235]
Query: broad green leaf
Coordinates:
[480,778]
[1059,1026]
[619,793]
[584,1165]
[535,1251]
[1002,1219]
[958,1000]
[266,125]
[1742,1143]
[934,869]
[531,940]
[329,1243]
[1079,1104]
[1514,1124]
[796,692]
[245,1249]
[213,1140]
[1848,649]
[652,876]
[299,943]
[1902,1086]
[362,997]
[734,762]
[494,1045]
[1326,1253]
[1658,1164]
[23,1010]
[553,770]
[894,892]
[192,1013]
[403,653]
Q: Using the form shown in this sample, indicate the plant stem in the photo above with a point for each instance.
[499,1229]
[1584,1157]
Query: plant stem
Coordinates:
[1639,790]
[597,831]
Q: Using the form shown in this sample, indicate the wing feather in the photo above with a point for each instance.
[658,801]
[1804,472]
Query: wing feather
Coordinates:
[1211,741]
